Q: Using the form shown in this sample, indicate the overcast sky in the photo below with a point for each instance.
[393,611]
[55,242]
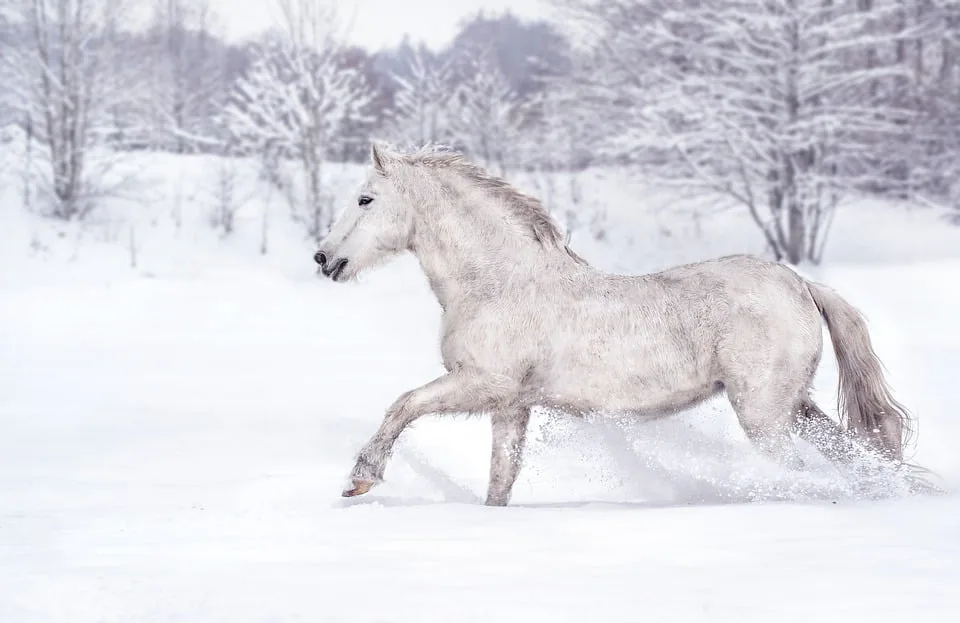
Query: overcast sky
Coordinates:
[381,23]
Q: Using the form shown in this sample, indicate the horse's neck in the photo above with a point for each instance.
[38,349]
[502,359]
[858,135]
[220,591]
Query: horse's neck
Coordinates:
[469,260]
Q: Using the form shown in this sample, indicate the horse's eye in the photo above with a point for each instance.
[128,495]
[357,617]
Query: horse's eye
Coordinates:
[364,200]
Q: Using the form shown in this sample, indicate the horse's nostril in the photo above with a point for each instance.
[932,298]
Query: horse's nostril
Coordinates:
[337,270]
[333,267]
[320,258]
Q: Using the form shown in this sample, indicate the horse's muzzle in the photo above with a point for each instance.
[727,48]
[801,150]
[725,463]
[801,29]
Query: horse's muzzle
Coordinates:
[330,268]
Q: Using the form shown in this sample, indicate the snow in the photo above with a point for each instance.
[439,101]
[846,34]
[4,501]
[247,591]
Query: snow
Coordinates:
[174,438]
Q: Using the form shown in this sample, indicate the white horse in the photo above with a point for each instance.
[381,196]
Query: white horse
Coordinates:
[527,322]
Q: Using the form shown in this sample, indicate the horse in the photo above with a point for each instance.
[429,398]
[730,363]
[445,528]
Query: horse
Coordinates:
[527,322]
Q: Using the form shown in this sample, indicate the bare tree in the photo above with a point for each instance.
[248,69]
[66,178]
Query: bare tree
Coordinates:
[188,82]
[67,81]
[229,193]
[555,148]
[299,98]
[933,148]
[778,105]
[10,35]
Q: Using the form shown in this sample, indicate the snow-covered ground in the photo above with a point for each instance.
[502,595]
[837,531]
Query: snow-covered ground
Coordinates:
[174,438]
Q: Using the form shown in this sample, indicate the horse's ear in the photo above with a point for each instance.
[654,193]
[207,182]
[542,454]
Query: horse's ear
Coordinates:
[377,157]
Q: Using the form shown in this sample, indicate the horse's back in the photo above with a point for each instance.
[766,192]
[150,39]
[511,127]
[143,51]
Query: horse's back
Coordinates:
[739,296]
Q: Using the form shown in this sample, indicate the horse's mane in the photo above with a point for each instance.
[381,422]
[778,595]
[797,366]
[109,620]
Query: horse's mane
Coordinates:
[527,209]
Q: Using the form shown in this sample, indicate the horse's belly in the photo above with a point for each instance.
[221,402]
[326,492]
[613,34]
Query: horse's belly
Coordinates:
[619,389]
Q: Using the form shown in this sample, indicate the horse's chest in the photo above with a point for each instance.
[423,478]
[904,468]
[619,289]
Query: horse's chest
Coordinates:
[453,347]
[471,342]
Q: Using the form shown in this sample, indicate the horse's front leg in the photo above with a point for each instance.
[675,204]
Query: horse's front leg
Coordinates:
[460,391]
[509,436]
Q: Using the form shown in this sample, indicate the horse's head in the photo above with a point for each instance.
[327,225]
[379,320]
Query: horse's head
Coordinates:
[377,225]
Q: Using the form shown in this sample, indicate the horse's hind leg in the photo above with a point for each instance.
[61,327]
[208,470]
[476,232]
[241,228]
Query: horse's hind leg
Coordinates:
[829,438]
[765,411]
[509,436]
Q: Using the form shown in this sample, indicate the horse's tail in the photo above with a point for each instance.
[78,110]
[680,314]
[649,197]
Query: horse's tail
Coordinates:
[867,407]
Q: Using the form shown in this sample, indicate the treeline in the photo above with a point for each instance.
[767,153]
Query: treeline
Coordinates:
[166,85]
[783,106]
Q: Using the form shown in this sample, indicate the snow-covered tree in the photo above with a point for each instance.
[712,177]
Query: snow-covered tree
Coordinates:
[780,105]
[421,100]
[488,114]
[67,84]
[299,99]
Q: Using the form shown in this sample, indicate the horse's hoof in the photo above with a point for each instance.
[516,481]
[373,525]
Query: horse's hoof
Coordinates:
[359,488]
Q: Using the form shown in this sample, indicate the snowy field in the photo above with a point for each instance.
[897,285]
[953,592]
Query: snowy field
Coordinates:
[174,438]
